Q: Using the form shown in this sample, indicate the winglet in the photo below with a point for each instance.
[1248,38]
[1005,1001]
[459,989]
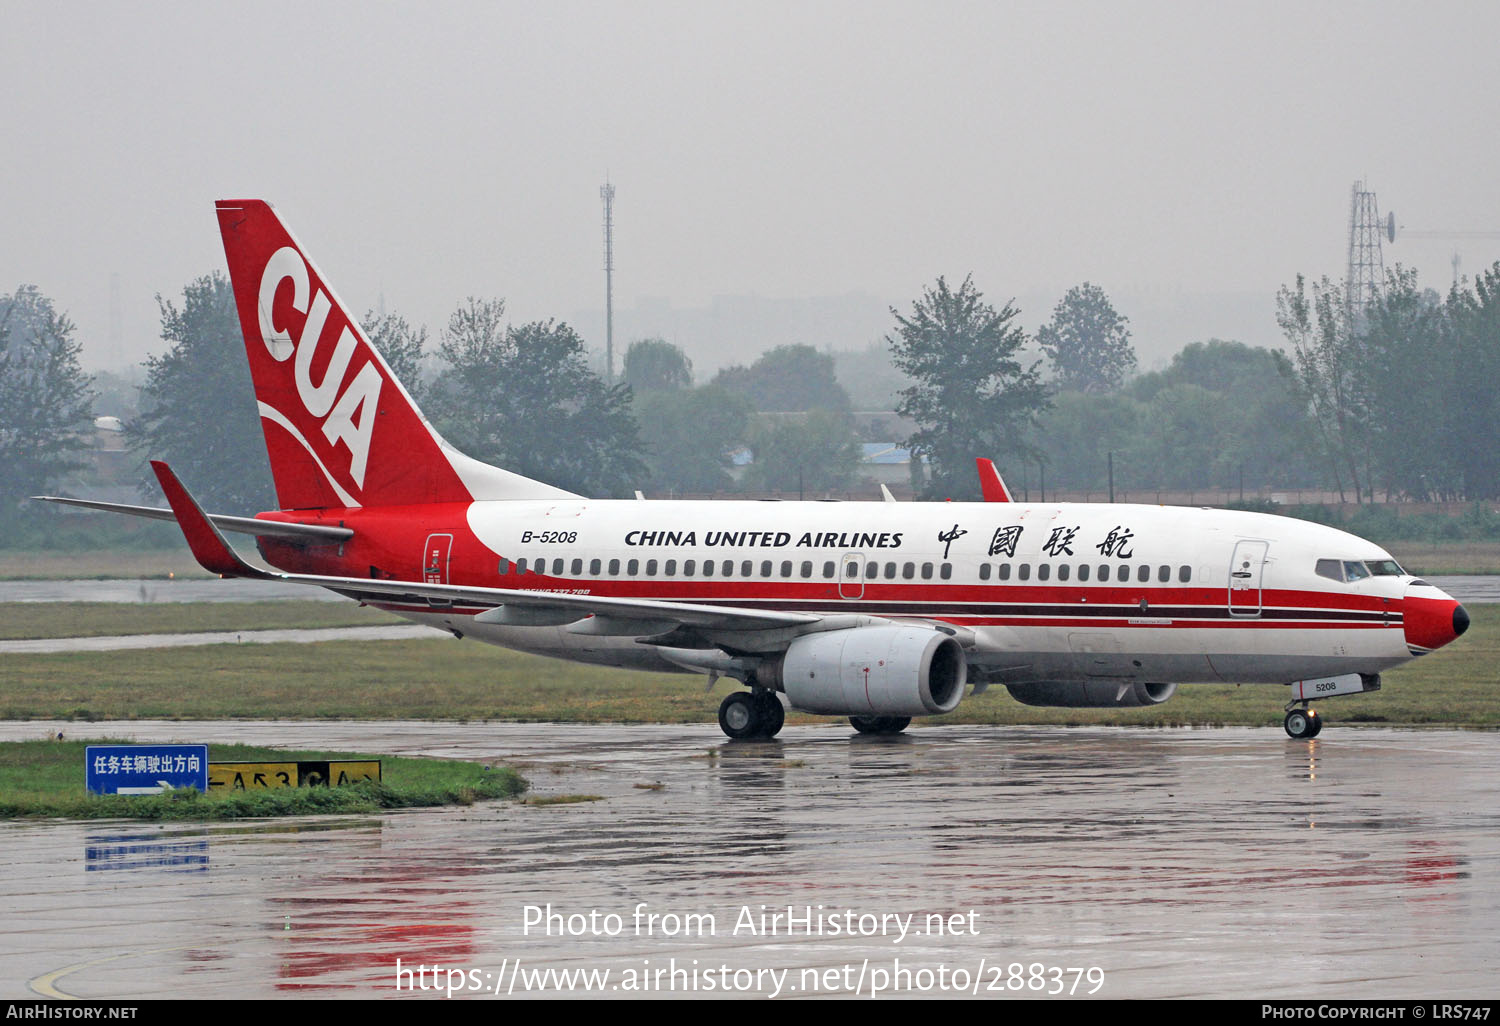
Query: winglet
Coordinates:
[209,547]
[990,482]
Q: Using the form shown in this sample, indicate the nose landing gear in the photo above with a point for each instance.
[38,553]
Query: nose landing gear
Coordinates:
[1303,724]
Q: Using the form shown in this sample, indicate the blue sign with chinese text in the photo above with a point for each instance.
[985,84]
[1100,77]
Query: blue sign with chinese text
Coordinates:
[145,769]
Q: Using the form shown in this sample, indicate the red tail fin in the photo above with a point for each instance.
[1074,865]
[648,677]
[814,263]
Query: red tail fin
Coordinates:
[340,429]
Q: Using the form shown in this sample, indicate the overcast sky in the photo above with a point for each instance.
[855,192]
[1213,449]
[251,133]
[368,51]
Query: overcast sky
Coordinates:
[438,150]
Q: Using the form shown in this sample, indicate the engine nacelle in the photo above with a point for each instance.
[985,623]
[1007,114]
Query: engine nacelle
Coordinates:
[1094,694]
[891,670]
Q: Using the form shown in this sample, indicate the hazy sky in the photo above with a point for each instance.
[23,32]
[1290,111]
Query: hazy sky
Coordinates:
[437,150]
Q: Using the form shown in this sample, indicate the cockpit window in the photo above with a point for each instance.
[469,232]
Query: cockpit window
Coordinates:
[1332,569]
[1385,568]
[1354,570]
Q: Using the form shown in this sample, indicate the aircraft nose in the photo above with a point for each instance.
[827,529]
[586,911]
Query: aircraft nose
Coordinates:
[1432,618]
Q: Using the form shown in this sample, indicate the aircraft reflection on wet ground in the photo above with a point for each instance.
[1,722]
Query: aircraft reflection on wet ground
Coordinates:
[1207,862]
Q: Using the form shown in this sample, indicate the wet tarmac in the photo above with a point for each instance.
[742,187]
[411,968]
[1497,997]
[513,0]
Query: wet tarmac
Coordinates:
[1228,863]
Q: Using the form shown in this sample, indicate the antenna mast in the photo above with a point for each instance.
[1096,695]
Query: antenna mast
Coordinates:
[1366,276]
[607,194]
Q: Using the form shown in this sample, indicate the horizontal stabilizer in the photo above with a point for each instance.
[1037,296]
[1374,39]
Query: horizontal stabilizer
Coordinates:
[242,525]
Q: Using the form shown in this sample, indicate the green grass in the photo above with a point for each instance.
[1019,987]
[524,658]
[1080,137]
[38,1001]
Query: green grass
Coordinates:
[442,678]
[44,778]
[95,619]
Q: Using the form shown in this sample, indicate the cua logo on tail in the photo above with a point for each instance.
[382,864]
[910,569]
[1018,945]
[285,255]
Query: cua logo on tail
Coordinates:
[349,408]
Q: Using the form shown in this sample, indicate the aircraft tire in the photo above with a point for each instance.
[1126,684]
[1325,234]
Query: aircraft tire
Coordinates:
[1299,725]
[880,724]
[739,716]
[770,713]
[1315,722]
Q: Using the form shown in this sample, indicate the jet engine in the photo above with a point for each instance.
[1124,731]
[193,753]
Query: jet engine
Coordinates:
[894,670]
[1094,694]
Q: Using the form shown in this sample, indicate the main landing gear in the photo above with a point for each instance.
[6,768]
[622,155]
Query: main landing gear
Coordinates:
[746,714]
[880,724]
[1303,724]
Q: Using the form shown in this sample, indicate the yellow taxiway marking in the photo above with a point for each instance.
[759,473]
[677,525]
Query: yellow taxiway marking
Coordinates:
[45,984]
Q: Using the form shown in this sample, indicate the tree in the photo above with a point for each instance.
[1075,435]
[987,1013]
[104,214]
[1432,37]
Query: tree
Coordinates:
[1473,402]
[524,398]
[814,453]
[972,396]
[1328,356]
[787,379]
[1088,342]
[689,434]
[401,346]
[656,365]
[199,409]
[45,398]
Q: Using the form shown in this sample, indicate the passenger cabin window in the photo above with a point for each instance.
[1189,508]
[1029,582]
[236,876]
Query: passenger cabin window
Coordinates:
[1005,571]
[1043,571]
[984,571]
[688,566]
[1063,571]
[728,568]
[1143,574]
[926,571]
[786,568]
[830,568]
[1024,573]
[557,567]
[1164,574]
[708,568]
[765,568]
[806,568]
[614,568]
[671,568]
[908,570]
[650,568]
[595,565]
[946,571]
[1184,574]
[871,571]
[504,566]
[890,571]
[747,568]
[632,568]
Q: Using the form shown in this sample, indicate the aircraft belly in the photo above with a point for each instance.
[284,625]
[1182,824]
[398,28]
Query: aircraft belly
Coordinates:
[554,642]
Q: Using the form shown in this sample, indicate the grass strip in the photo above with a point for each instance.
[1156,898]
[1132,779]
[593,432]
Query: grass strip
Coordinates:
[24,620]
[443,678]
[45,779]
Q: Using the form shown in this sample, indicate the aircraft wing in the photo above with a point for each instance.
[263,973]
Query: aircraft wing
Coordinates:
[623,616]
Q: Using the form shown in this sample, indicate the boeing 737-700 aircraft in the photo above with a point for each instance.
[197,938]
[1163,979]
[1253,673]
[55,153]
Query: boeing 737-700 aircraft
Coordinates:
[875,611]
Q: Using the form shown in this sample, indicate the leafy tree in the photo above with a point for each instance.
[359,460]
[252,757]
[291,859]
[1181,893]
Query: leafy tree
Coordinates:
[1088,342]
[656,365]
[972,396]
[44,399]
[401,345]
[1408,377]
[1328,355]
[524,398]
[198,403]
[815,453]
[688,435]
[1473,403]
[787,379]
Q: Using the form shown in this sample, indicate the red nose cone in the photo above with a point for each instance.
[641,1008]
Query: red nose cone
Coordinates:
[1432,622]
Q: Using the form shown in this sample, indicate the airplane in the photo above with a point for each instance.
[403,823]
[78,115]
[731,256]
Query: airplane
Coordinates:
[878,611]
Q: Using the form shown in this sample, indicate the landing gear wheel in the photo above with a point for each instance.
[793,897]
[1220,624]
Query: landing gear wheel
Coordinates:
[770,713]
[880,724]
[1302,725]
[738,716]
